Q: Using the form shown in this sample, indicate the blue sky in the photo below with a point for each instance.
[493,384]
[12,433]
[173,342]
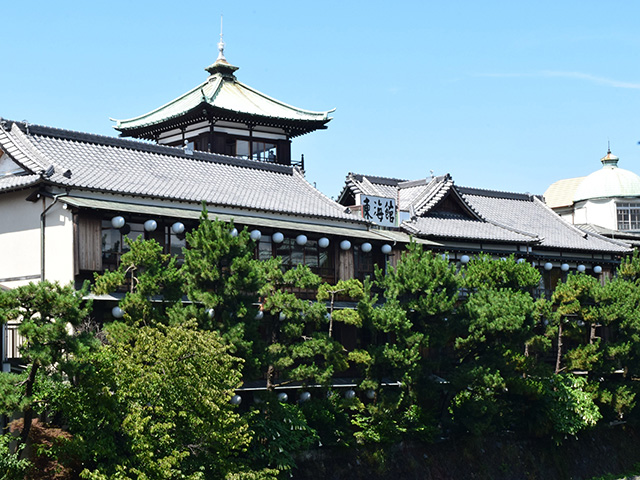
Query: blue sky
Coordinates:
[502,95]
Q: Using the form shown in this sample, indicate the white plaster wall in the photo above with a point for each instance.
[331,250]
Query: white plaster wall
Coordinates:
[20,241]
[19,238]
[59,261]
[600,212]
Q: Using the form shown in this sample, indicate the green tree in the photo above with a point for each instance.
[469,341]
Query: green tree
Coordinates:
[157,407]
[48,314]
[152,281]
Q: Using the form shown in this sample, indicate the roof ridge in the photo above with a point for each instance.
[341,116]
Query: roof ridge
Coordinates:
[389,181]
[21,141]
[141,145]
[485,192]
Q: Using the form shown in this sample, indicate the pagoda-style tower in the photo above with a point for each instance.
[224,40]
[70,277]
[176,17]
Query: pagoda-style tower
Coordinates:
[223,115]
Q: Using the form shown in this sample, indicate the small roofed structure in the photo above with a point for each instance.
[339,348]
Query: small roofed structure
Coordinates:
[225,116]
[606,202]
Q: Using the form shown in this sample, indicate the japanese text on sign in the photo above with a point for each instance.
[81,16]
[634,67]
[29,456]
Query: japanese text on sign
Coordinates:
[379,210]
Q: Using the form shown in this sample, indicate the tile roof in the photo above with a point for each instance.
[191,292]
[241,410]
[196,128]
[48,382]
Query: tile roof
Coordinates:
[131,167]
[493,216]
[462,228]
[528,213]
[225,93]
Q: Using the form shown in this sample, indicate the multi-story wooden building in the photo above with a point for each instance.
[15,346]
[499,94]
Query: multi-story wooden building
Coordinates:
[68,199]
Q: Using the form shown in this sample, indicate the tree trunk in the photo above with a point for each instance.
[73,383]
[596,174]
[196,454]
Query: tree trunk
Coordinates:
[559,353]
[28,411]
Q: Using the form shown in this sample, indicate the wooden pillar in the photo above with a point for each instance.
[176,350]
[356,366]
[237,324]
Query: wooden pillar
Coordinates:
[211,136]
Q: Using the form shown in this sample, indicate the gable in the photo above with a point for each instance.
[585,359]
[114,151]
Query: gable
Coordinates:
[8,166]
[451,206]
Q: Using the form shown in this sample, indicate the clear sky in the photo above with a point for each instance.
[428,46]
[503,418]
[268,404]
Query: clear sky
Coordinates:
[508,95]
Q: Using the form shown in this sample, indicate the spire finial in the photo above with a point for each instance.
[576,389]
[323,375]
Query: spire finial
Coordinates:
[608,146]
[221,44]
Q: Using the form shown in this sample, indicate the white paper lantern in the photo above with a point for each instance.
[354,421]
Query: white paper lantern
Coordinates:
[386,249]
[323,242]
[117,312]
[283,397]
[465,259]
[548,266]
[365,247]
[301,240]
[349,394]
[211,313]
[255,235]
[177,228]
[305,397]
[236,400]
[371,394]
[277,237]
[259,315]
[345,244]
[150,225]
[521,260]
[445,257]
[581,268]
[117,222]
[597,269]
[564,267]
[282,317]
[234,232]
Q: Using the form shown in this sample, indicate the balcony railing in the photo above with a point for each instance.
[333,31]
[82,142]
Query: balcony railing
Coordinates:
[12,341]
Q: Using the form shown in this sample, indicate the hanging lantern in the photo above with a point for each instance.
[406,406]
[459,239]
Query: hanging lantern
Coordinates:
[345,244]
[234,232]
[211,313]
[283,397]
[371,394]
[548,266]
[564,267]
[366,247]
[177,228]
[282,317]
[236,400]
[349,394]
[255,235]
[597,269]
[117,312]
[323,242]
[117,222]
[386,249]
[259,315]
[445,257]
[465,259]
[301,240]
[150,225]
[521,260]
[581,268]
[277,237]
[305,397]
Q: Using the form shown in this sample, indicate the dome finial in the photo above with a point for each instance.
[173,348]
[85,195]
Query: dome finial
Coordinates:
[609,160]
[221,65]
[221,44]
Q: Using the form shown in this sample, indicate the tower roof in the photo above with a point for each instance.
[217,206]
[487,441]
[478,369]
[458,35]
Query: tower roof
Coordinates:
[223,97]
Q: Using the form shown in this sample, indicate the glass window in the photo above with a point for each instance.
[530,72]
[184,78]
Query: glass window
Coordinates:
[242,148]
[628,216]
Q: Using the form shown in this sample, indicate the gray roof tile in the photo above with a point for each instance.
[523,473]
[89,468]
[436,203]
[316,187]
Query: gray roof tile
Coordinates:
[132,167]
